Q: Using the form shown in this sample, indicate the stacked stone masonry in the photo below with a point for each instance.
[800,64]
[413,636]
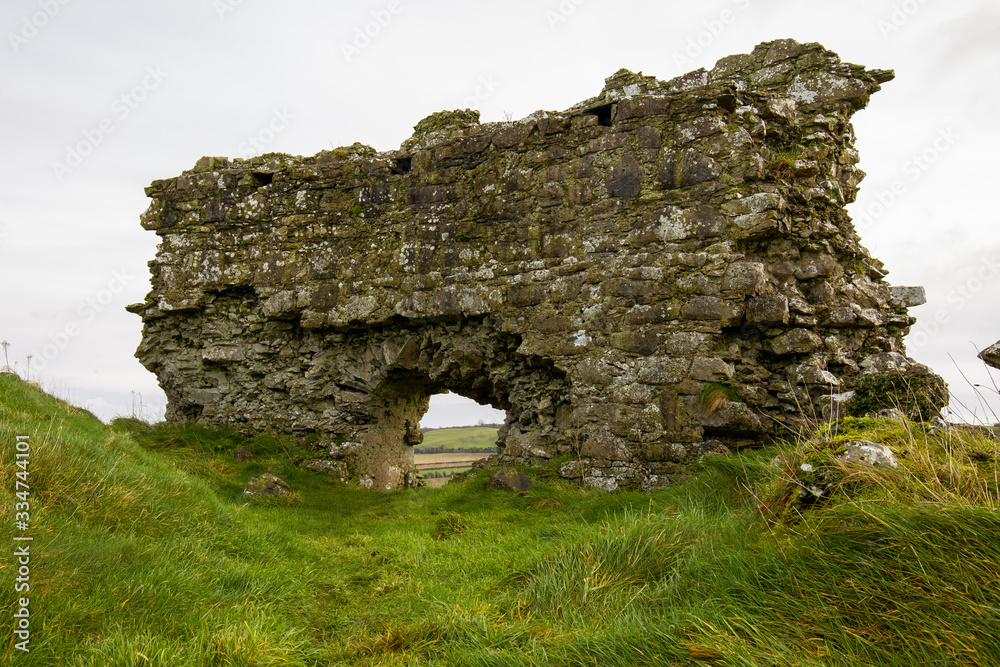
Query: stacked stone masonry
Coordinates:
[659,267]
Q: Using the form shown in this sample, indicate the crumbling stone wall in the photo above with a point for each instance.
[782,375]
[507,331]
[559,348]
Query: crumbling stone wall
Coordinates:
[664,264]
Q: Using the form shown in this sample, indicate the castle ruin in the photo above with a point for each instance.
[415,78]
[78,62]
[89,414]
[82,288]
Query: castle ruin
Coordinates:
[663,265]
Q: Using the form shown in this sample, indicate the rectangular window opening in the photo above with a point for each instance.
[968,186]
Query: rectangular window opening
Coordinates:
[262,178]
[403,165]
[604,114]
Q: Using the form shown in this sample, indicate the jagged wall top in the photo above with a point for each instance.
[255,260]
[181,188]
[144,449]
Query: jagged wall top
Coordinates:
[809,74]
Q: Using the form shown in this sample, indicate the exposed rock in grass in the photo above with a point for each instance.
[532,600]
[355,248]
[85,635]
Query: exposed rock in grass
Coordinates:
[865,451]
[243,454]
[266,485]
[509,479]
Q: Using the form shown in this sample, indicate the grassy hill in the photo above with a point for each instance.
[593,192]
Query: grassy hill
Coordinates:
[144,553]
[480,438]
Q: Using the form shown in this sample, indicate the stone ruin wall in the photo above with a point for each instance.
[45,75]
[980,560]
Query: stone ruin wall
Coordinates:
[665,264]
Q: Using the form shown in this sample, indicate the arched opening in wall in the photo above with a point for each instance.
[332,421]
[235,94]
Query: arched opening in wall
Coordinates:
[457,432]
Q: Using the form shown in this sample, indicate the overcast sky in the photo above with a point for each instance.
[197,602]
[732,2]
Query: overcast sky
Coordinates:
[101,97]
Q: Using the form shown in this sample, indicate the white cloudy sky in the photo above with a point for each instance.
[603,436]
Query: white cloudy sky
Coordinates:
[100,97]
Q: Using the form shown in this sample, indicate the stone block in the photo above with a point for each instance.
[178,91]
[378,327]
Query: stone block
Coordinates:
[991,355]
[520,296]
[673,452]
[754,204]
[705,308]
[223,353]
[767,310]
[809,374]
[748,278]
[730,419]
[663,370]
[841,316]
[907,297]
[797,341]
[682,169]
[814,266]
[625,178]
[711,370]
[699,222]
[636,342]
[573,469]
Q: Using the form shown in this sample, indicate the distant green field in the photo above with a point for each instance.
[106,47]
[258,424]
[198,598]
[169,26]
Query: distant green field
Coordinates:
[477,437]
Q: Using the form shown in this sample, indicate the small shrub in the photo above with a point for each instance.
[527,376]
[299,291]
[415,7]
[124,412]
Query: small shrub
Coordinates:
[918,397]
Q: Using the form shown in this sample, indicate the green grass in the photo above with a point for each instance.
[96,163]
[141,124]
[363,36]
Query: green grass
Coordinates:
[456,439]
[145,554]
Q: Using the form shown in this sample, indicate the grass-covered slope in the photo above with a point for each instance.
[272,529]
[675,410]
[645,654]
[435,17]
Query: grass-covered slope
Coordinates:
[145,554]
